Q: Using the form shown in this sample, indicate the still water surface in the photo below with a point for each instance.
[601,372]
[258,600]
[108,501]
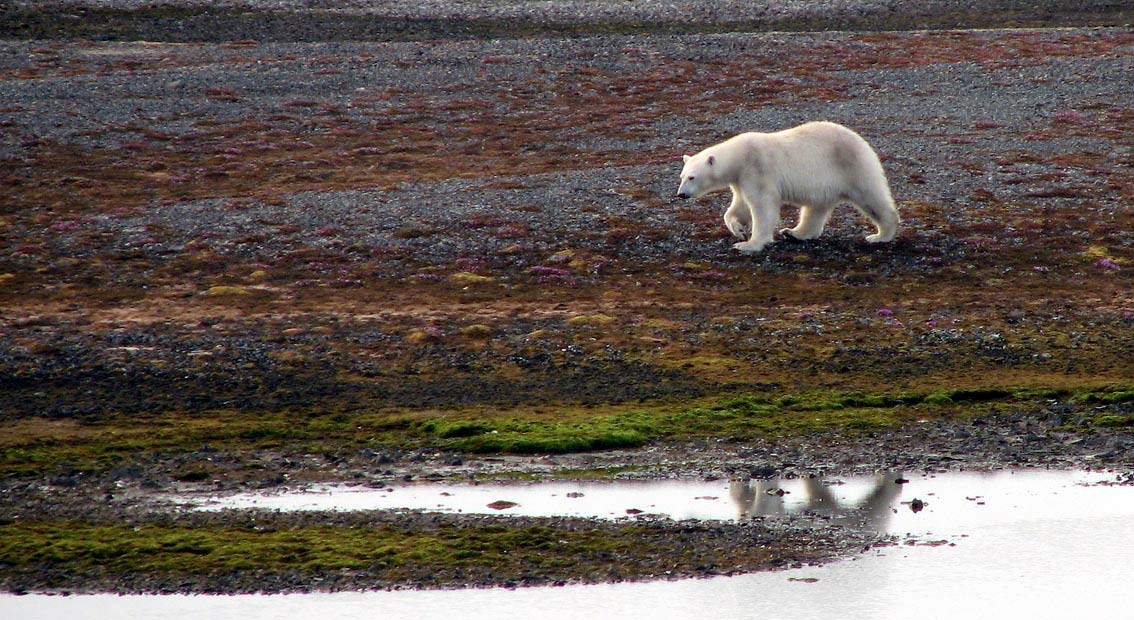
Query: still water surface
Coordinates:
[1030,545]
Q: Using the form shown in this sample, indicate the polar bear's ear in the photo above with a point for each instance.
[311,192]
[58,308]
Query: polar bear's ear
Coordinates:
[712,160]
[685,158]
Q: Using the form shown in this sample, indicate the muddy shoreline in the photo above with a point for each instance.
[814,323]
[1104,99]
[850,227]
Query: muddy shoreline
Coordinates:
[677,549]
[126,497]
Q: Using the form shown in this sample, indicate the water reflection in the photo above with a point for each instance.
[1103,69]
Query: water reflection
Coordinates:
[862,503]
[765,498]
[1029,544]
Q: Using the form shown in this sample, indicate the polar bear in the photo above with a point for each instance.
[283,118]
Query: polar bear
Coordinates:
[817,166]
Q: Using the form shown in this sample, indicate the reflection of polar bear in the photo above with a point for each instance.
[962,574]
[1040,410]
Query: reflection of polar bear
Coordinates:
[816,166]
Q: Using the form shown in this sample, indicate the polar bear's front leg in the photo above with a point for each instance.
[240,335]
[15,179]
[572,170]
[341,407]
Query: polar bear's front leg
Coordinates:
[738,219]
[765,213]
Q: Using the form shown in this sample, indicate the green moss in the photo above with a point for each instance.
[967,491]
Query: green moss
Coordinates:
[1107,397]
[551,440]
[265,432]
[968,395]
[528,437]
[166,549]
[1043,393]
[1114,421]
[383,553]
[737,417]
[938,398]
[33,445]
[750,405]
[445,429]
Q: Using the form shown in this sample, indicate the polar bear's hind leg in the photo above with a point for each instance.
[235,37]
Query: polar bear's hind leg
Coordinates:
[812,221]
[884,217]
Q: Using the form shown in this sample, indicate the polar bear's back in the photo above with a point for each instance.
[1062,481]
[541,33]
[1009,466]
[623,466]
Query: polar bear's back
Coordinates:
[822,141]
[819,162]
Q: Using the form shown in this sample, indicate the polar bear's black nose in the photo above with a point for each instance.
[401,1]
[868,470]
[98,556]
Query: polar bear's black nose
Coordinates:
[682,195]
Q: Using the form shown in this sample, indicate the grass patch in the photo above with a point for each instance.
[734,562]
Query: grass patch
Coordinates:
[1108,398]
[1114,421]
[533,437]
[163,549]
[969,395]
[33,445]
[737,418]
[554,439]
[369,554]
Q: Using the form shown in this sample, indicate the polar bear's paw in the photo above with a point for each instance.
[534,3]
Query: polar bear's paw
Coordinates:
[877,238]
[750,247]
[737,226]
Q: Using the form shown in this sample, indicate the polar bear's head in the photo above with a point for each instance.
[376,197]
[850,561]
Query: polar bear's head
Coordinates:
[699,176]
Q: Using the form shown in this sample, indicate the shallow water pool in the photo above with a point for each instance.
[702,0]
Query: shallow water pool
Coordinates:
[1027,544]
[675,499]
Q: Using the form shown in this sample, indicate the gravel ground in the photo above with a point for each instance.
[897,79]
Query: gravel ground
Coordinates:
[301,217]
[543,198]
[189,20]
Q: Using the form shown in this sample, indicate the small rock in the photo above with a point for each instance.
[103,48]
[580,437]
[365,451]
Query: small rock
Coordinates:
[502,505]
[423,336]
[466,278]
[561,256]
[222,290]
[591,320]
[763,473]
[477,332]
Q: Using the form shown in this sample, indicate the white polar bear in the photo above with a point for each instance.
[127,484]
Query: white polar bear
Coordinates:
[816,166]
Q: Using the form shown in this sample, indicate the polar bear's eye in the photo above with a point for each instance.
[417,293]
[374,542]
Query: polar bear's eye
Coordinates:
[690,178]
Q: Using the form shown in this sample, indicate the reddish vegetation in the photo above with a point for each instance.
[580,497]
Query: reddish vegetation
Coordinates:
[1027,280]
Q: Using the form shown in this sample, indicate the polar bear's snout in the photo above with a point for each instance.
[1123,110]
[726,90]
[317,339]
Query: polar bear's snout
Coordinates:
[682,190]
[687,189]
